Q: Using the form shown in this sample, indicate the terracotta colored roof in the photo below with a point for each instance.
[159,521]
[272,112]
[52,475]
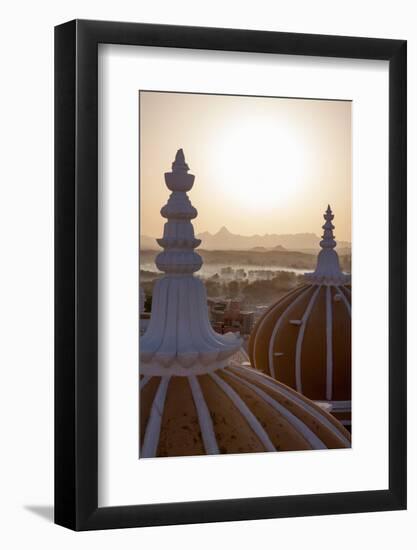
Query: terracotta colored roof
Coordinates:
[231,410]
[304,341]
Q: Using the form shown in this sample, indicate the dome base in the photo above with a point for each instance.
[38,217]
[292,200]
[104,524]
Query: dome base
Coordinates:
[179,339]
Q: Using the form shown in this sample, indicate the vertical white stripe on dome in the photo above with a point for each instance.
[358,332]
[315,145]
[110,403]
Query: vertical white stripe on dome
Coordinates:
[204,418]
[329,344]
[153,428]
[300,340]
[313,410]
[296,423]
[276,328]
[345,300]
[266,315]
[144,381]
[248,415]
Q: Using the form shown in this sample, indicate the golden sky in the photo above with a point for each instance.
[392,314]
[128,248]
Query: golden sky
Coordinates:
[261,165]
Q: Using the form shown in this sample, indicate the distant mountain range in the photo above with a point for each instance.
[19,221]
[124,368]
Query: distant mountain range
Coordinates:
[225,240]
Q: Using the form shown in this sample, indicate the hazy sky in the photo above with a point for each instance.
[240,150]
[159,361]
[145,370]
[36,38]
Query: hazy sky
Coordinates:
[261,165]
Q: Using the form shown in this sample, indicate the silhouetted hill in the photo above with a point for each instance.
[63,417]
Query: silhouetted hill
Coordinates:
[264,249]
[225,240]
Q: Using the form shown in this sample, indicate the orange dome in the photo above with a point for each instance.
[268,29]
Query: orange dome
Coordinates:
[231,410]
[304,340]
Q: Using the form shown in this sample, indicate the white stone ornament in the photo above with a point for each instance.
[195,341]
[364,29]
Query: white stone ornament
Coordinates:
[179,339]
[328,270]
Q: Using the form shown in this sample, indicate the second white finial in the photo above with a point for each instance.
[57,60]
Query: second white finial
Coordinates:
[328,268]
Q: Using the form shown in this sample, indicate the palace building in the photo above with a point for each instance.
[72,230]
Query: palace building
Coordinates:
[304,339]
[195,397]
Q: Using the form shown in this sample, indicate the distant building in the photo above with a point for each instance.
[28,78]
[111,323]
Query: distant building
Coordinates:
[248,321]
[227,316]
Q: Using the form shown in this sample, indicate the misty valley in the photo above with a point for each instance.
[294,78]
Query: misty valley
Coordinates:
[255,277]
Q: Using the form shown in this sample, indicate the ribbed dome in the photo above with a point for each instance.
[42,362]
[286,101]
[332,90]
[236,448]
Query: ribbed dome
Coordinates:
[232,410]
[304,339]
[194,398]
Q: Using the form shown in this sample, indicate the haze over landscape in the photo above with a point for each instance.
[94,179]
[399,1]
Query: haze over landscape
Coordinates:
[225,240]
[265,170]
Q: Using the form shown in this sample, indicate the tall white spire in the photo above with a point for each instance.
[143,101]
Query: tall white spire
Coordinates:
[179,339]
[328,268]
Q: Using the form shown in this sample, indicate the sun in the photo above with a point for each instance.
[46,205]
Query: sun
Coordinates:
[258,163]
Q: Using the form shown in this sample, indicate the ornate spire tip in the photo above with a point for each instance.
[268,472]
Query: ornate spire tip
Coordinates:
[328,268]
[179,163]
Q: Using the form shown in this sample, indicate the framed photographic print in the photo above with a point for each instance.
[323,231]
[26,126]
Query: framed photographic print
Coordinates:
[230,275]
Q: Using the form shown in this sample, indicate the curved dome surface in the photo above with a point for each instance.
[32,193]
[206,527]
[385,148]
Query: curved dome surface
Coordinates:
[304,339]
[231,410]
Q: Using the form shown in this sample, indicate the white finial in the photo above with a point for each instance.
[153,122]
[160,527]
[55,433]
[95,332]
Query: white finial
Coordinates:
[328,237]
[178,241]
[179,338]
[328,268]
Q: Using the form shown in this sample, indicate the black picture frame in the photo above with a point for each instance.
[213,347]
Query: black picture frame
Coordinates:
[76,272]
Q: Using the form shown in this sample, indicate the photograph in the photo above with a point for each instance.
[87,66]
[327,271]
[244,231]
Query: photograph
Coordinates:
[245,274]
[191,193]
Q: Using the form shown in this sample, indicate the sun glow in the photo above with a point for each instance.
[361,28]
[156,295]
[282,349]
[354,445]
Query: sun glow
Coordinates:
[260,164]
